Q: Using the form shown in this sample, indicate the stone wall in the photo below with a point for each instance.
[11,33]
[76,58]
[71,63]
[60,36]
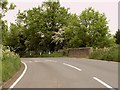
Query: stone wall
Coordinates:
[79,52]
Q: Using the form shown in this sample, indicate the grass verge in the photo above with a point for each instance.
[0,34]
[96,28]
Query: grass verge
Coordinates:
[109,54]
[10,64]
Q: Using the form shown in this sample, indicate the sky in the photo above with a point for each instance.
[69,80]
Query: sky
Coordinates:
[109,7]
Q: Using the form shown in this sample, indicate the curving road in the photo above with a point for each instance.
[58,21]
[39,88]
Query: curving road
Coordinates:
[69,73]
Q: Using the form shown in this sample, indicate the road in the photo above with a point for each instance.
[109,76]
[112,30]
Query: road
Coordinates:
[68,73]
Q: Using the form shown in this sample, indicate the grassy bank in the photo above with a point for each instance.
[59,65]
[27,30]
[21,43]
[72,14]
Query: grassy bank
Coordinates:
[10,64]
[0,64]
[109,54]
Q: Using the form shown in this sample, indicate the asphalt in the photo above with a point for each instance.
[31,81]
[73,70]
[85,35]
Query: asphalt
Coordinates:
[68,73]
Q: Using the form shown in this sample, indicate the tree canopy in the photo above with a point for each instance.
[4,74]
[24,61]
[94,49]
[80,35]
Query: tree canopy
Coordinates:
[3,23]
[51,27]
[117,36]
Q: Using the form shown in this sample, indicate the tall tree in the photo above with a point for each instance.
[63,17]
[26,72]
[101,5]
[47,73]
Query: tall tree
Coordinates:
[3,23]
[71,32]
[89,29]
[95,25]
[41,24]
[117,36]
[56,18]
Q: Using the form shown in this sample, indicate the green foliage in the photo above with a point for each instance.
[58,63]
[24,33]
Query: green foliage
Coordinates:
[117,36]
[89,29]
[110,54]
[3,23]
[4,7]
[10,64]
[9,61]
[0,72]
[3,31]
[40,29]
[51,27]
[72,32]
[15,39]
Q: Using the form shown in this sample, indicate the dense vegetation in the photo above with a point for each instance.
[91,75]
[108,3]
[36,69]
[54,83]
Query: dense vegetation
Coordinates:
[50,27]
[10,64]
[117,36]
[110,54]
[9,61]
[0,65]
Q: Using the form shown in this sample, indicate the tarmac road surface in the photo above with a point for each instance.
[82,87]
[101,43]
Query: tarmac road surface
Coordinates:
[68,73]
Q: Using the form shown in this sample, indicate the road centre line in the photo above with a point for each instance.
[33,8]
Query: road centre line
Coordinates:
[21,76]
[30,61]
[37,61]
[46,61]
[50,61]
[103,83]
[72,66]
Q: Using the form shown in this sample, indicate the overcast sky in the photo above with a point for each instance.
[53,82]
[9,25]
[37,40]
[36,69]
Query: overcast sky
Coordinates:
[109,7]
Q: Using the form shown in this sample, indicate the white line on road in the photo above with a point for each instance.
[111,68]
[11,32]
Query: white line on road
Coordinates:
[46,61]
[72,66]
[19,77]
[30,61]
[103,83]
[37,61]
[50,61]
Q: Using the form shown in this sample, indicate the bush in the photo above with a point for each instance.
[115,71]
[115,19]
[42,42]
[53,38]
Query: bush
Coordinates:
[110,54]
[10,64]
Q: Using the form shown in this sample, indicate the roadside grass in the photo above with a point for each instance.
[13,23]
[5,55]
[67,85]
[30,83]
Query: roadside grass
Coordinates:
[109,54]
[10,64]
[0,71]
[0,64]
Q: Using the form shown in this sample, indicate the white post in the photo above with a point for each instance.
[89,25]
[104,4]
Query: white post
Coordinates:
[40,53]
[49,52]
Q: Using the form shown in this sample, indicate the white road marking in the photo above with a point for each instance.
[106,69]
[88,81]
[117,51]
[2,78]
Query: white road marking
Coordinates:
[103,83]
[30,61]
[19,77]
[0,87]
[50,61]
[37,61]
[46,61]
[72,66]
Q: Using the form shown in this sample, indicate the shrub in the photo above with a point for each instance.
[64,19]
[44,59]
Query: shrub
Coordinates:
[110,54]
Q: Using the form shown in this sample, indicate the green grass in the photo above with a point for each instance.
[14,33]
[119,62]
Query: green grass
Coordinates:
[109,54]
[10,64]
[0,64]
[0,71]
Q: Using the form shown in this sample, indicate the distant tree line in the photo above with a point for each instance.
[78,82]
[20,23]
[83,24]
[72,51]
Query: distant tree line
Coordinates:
[117,36]
[51,27]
